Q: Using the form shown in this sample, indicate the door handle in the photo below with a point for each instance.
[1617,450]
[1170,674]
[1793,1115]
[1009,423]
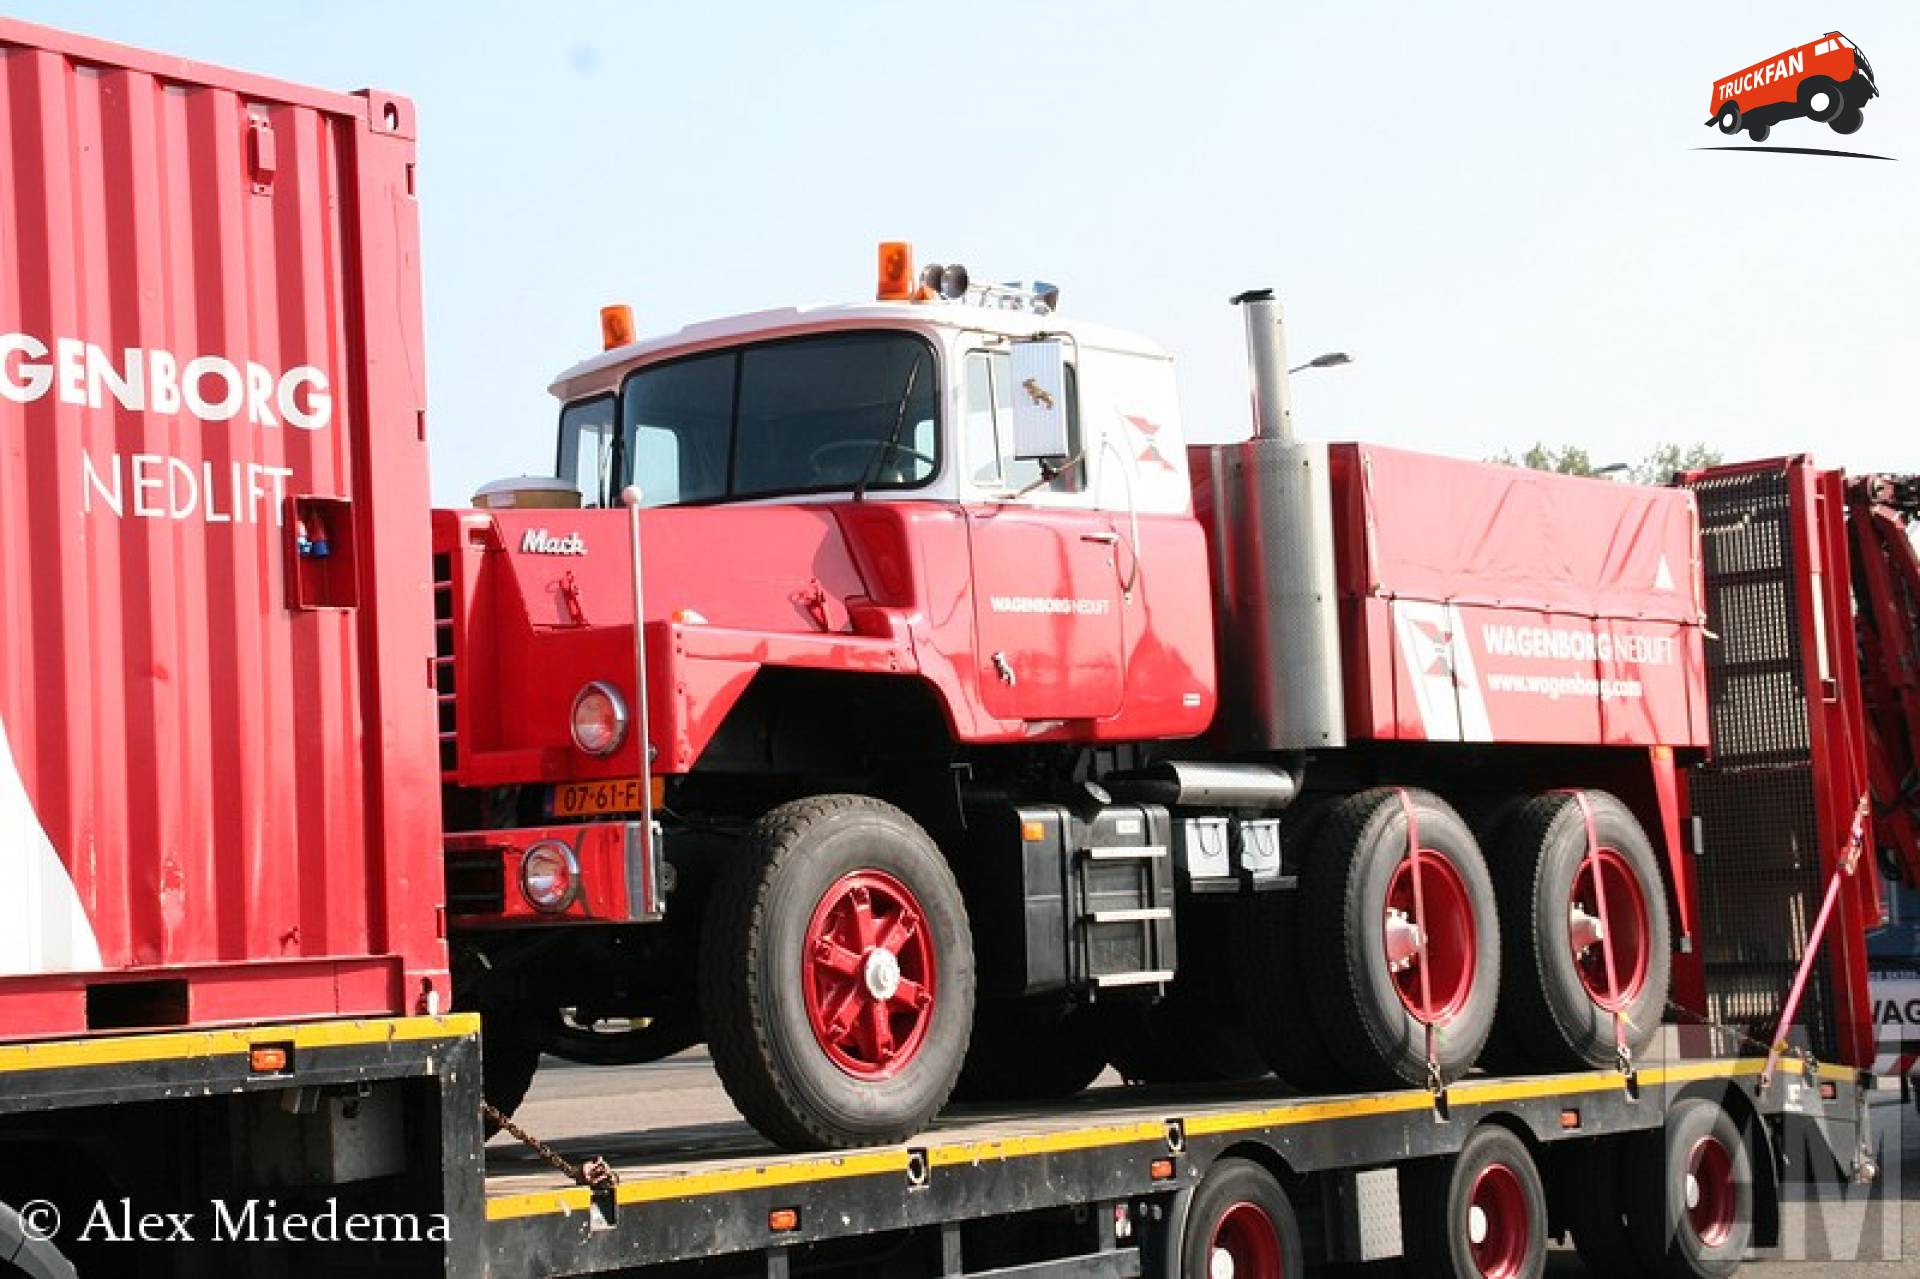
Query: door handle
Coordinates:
[1104,539]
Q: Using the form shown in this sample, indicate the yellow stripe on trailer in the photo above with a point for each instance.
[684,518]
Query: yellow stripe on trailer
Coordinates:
[196,1044]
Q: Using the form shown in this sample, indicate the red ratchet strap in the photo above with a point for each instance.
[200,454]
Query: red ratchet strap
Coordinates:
[1622,1053]
[1420,931]
[1849,862]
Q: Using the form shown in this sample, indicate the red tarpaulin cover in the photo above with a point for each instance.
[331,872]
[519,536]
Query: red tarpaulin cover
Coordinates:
[1491,603]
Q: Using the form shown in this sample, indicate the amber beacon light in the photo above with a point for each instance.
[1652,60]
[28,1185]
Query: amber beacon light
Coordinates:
[616,326]
[896,271]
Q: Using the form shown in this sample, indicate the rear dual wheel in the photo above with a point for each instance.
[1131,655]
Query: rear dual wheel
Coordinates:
[836,975]
[1401,950]
[1585,942]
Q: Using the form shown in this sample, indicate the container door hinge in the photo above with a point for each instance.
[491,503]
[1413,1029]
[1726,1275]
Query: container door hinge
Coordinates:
[262,159]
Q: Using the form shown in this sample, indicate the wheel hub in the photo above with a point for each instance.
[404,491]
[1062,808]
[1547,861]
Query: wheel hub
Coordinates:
[1585,930]
[1245,1245]
[1609,929]
[867,975]
[1404,940]
[1498,1230]
[882,973]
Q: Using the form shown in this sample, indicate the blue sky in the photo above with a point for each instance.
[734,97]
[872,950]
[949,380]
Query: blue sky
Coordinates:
[1501,216]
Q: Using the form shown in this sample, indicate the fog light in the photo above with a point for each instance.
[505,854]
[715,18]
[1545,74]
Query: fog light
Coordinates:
[599,719]
[549,876]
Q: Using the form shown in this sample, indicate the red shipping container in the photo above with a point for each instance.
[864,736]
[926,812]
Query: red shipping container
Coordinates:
[1489,603]
[218,779]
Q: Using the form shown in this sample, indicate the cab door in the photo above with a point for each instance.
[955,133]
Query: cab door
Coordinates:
[1048,608]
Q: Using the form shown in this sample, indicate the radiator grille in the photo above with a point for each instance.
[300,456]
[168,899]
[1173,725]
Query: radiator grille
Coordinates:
[444,676]
[1760,868]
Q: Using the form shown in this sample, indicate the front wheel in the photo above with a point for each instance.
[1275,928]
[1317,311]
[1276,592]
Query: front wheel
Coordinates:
[1821,99]
[836,975]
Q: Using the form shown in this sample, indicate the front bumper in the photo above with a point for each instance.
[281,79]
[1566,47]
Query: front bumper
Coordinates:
[618,875]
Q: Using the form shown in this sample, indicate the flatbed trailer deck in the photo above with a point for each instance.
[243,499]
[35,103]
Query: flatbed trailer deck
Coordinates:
[1103,1178]
[1097,1185]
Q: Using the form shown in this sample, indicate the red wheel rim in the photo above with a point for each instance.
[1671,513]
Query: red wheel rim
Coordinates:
[868,974]
[1608,929]
[1713,1202]
[1245,1245]
[1498,1229]
[1430,936]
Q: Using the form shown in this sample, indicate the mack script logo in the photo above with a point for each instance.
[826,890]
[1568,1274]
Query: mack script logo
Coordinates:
[538,541]
[1825,81]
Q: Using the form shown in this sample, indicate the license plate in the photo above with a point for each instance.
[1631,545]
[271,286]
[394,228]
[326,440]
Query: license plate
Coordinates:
[597,799]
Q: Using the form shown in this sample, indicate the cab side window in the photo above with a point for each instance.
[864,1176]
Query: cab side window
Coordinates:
[586,448]
[988,431]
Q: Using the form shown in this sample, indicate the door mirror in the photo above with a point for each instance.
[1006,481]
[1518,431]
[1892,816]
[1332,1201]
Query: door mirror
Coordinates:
[1040,401]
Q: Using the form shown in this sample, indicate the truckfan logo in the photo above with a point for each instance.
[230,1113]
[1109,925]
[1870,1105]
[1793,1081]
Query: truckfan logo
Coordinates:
[1826,81]
[540,542]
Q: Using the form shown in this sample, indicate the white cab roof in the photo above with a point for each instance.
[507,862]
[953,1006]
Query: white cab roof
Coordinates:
[604,371]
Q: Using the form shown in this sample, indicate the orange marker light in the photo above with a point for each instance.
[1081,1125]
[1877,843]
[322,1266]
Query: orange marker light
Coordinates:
[1161,1170]
[616,326]
[270,1059]
[896,271]
[1033,832]
[783,1219]
[1569,1119]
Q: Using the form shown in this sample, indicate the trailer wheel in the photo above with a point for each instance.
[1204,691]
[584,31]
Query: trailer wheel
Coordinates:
[1481,1214]
[1848,121]
[1821,98]
[1240,1225]
[1402,952]
[1580,942]
[836,975]
[1691,1194]
[1729,119]
[1589,1194]
[1020,1050]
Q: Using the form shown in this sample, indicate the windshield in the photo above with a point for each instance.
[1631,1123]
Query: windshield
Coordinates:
[818,414]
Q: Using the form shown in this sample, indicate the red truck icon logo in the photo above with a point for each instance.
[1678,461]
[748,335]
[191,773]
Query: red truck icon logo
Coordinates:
[1827,80]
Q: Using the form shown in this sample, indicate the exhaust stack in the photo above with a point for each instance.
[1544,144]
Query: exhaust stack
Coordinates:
[1273,537]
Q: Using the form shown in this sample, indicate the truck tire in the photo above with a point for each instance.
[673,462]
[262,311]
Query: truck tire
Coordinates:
[1240,1223]
[1691,1196]
[1848,121]
[1377,983]
[836,975]
[1758,130]
[1556,1004]
[1821,98]
[510,1047]
[1481,1212]
[1729,119]
[1020,1050]
[1589,1195]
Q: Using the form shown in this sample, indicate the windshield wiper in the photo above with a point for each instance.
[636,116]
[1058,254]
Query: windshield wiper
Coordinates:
[893,436]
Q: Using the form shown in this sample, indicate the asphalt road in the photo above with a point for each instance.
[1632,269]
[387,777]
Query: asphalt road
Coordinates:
[677,1107]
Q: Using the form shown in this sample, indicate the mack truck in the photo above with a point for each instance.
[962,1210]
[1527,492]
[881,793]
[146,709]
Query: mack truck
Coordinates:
[910,710]
[895,698]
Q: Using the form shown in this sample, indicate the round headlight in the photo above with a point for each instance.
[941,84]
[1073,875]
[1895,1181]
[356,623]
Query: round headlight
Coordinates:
[599,719]
[549,876]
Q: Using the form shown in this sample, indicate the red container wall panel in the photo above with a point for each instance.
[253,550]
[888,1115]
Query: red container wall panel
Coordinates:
[196,773]
[1489,603]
